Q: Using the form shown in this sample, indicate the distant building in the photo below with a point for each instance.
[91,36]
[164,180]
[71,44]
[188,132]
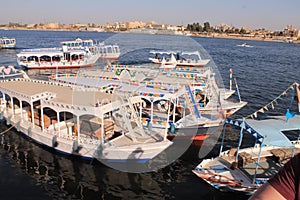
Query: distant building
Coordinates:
[290,31]
[136,24]
[52,26]
[223,27]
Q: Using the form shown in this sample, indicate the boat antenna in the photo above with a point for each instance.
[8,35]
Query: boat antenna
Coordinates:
[237,89]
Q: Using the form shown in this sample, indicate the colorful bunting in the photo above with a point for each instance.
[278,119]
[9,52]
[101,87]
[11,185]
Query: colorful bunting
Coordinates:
[298,95]
[275,101]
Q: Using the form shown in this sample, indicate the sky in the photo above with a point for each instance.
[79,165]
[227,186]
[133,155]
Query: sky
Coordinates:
[254,14]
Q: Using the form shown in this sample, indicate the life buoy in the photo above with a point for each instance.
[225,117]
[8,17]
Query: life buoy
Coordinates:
[143,104]
[162,106]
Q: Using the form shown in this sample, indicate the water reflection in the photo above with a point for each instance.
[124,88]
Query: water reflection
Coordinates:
[65,177]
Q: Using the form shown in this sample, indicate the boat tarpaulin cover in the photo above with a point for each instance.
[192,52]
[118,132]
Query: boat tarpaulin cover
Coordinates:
[271,129]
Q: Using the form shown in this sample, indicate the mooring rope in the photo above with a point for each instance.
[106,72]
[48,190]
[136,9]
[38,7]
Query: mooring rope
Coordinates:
[3,132]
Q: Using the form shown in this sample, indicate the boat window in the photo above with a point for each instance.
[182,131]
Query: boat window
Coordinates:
[32,58]
[56,58]
[109,49]
[81,56]
[74,57]
[22,58]
[116,49]
[45,58]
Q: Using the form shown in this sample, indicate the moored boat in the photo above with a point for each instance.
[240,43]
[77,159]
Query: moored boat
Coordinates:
[245,169]
[89,124]
[194,105]
[180,58]
[111,52]
[56,58]
[7,43]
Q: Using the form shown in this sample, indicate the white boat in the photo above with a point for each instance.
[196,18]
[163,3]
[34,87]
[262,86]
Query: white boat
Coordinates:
[89,124]
[10,72]
[244,45]
[7,43]
[111,52]
[182,58]
[191,98]
[56,58]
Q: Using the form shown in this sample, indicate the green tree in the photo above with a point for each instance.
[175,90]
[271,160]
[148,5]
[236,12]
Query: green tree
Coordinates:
[206,27]
[243,31]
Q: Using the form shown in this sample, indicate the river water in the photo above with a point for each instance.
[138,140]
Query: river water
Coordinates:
[29,171]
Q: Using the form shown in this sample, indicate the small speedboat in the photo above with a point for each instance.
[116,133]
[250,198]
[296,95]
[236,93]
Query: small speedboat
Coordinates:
[244,45]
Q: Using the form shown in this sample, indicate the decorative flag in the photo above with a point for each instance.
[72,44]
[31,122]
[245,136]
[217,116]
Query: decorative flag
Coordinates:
[298,95]
[266,108]
[272,105]
[261,110]
[255,114]
[289,115]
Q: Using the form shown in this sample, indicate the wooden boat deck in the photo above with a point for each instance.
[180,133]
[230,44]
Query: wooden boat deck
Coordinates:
[63,94]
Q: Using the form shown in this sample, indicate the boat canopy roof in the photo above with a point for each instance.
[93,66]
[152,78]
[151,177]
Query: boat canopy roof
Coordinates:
[269,131]
[48,52]
[175,52]
[78,42]
[163,52]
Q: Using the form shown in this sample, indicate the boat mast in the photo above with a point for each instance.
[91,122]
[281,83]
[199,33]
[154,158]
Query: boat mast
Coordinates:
[240,139]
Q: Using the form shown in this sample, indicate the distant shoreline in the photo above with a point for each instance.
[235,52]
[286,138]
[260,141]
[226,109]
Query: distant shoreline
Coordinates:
[278,39]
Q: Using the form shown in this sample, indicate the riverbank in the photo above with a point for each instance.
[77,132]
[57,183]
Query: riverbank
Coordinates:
[275,39]
[210,35]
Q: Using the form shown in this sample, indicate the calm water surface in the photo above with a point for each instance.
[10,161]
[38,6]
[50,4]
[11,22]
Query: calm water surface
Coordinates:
[29,171]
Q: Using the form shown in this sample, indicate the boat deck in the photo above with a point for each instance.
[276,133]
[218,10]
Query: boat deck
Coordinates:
[35,88]
[266,168]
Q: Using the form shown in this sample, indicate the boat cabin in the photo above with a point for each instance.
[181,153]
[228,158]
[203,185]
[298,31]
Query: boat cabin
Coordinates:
[78,43]
[52,56]
[7,43]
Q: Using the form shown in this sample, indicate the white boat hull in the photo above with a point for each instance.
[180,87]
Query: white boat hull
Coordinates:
[89,149]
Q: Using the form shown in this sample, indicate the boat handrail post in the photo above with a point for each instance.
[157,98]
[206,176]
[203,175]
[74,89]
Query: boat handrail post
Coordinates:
[152,107]
[21,109]
[32,114]
[141,111]
[58,123]
[78,126]
[257,163]
[102,128]
[240,139]
[223,136]
[174,109]
[12,106]
[42,117]
[168,120]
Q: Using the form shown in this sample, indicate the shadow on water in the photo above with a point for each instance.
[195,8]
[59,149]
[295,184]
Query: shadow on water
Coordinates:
[44,173]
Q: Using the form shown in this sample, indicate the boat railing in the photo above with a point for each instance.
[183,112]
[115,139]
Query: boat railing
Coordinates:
[42,50]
